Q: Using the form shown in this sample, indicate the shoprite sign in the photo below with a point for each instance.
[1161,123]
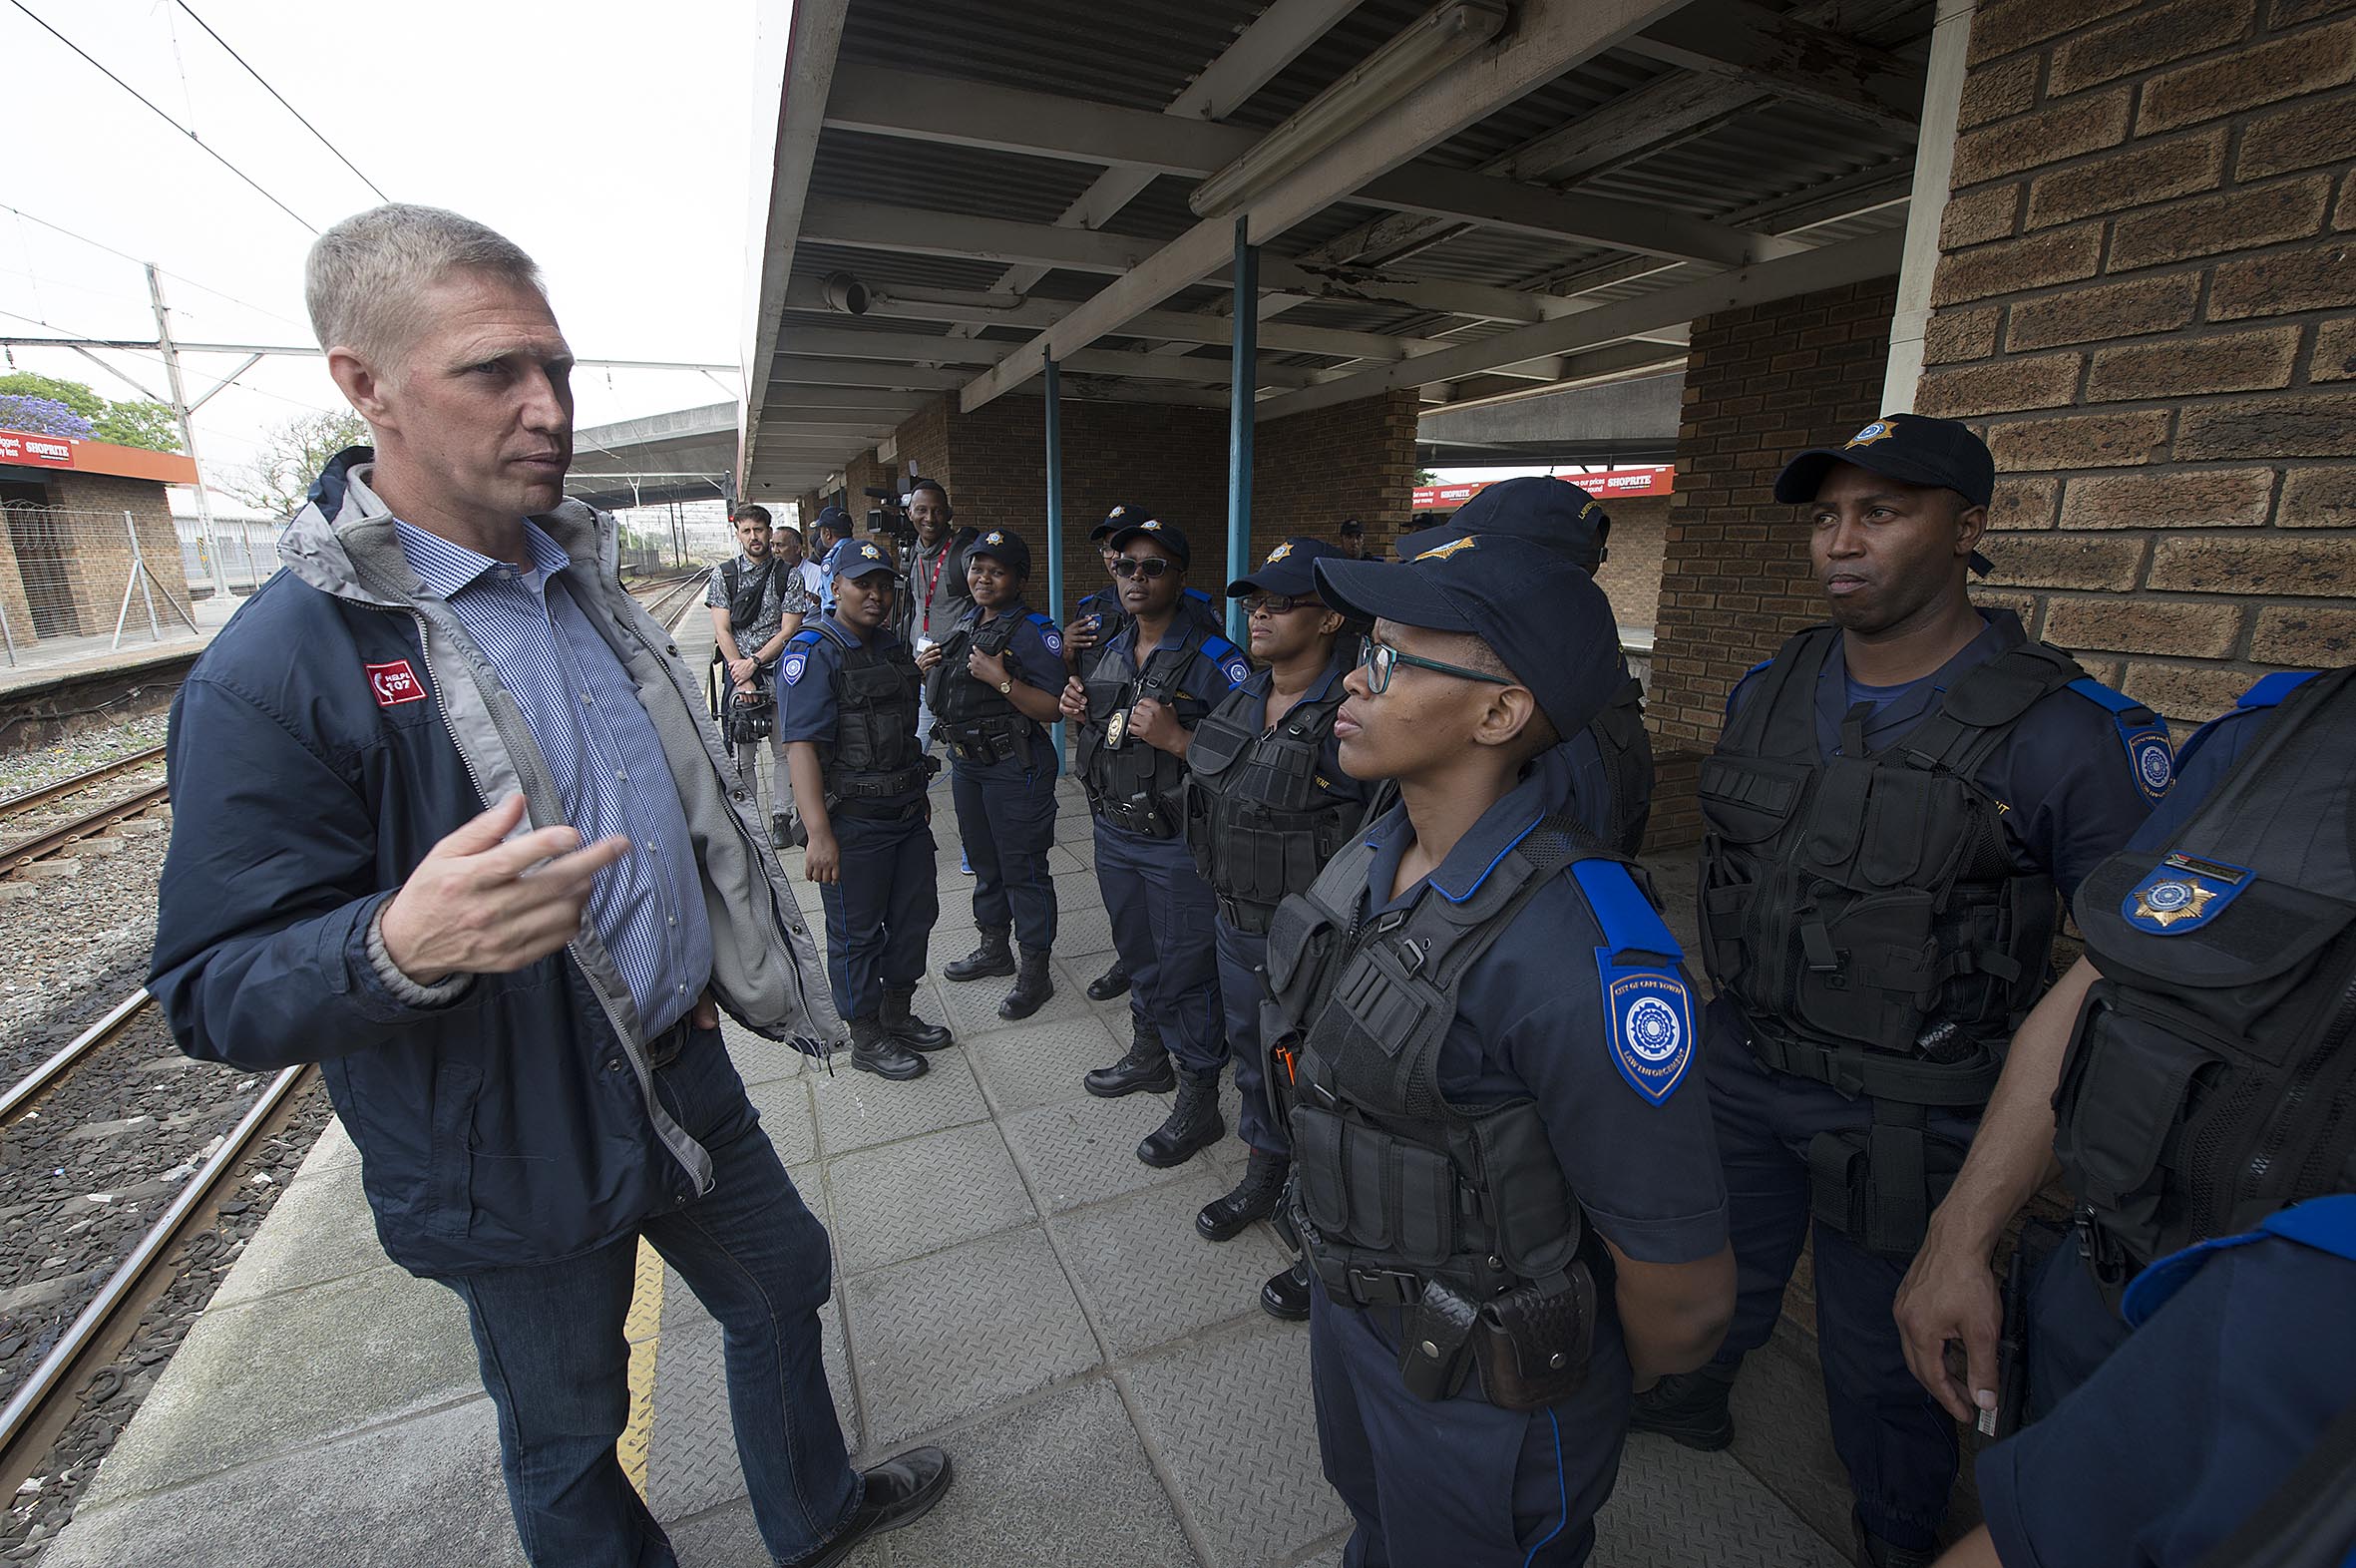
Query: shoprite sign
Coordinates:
[1656,479]
[42,451]
[25,449]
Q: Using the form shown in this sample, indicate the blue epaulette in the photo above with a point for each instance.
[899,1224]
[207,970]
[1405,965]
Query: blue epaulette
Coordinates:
[2271,689]
[1629,920]
[1230,658]
[2149,756]
[1648,1011]
[1199,594]
[808,635]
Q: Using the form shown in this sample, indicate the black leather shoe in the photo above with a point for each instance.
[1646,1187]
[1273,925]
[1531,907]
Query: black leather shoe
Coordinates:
[1286,1295]
[872,1050]
[1033,986]
[1193,1125]
[781,831]
[1254,1198]
[1112,982]
[905,1026]
[900,1491]
[1874,1552]
[993,956]
[1687,1409]
[1146,1066]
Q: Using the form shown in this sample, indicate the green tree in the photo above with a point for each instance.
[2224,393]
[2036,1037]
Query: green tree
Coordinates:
[291,457]
[140,424]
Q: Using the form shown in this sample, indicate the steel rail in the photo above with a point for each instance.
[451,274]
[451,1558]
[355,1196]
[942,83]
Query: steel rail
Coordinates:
[18,856]
[87,1041]
[27,800]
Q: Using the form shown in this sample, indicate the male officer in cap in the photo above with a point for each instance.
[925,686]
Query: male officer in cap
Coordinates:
[1267,805]
[994,684]
[1894,803]
[1485,1040]
[1612,759]
[1137,707]
[833,529]
[1353,535]
[847,713]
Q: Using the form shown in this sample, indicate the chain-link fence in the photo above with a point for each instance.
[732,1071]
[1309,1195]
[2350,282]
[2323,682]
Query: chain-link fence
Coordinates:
[71,580]
[236,557]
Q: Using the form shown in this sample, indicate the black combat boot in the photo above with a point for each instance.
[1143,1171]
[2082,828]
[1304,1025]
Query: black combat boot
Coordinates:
[873,1051]
[1687,1409]
[1194,1123]
[1286,1295]
[906,1028]
[1874,1552]
[1112,982]
[781,830]
[1254,1198]
[993,956]
[1146,1066]
[1032,987]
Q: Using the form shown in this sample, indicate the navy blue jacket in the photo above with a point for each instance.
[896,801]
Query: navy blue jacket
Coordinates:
[337,729]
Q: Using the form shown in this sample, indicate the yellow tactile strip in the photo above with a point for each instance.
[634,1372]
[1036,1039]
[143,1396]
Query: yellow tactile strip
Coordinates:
[644,1330]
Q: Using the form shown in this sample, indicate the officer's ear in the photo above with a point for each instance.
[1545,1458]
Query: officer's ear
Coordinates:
[1508,718]
[1329,623]
[1971,522]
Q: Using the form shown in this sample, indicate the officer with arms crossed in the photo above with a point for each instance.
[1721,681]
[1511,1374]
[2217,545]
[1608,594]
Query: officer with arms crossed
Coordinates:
[1894,801]
[2207,1102]
[994,684]
[756,602]
[1267,805]
[1501,1171]
[847,713]
[1137,709]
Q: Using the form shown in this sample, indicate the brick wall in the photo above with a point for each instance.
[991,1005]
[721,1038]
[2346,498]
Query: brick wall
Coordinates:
[97,562]
[1312,470]
[2143,305]
[923,444]
[1760,383]
[1630,576]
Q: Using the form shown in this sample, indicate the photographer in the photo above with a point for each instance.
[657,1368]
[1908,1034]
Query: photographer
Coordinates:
[755,606]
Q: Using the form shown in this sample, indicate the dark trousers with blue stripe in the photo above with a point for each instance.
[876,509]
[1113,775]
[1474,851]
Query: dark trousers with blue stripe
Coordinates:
[1162,914]
[1243,958]
[1007,822]
[880,910]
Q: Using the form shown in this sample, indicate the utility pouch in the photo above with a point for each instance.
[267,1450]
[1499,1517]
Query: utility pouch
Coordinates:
[1534,1341]
[1879,1187]
[1435,1342]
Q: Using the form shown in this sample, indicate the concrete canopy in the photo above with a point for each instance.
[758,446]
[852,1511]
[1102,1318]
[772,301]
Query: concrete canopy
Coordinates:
[955,194]
[688,455]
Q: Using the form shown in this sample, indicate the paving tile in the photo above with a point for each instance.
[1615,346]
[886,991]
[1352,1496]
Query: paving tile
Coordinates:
[1147,1278]
[1083,1150]
[1066,858]
[692,1461]
[1035,1064]
[1060,1482]
[1670,1505]
[1084,930]
[896,1202]
[728,1537]
[962,1331]
[760,1060]
[1231,1418]
[327,1234]
[857,1110]
[335,1147]
[784,1105]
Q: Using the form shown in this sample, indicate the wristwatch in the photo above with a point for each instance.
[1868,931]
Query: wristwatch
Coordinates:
[1006,687]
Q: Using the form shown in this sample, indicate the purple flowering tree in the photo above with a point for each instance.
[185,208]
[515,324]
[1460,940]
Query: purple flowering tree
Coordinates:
[41,416]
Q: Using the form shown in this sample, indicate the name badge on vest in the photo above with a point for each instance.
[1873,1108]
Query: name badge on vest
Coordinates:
[1652,1019]
[2185,893]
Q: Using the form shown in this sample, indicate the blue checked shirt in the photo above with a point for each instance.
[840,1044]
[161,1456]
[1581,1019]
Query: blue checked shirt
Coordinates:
[599,746]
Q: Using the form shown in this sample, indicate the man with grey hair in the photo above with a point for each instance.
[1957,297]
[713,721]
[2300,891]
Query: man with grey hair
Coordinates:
[517,1021]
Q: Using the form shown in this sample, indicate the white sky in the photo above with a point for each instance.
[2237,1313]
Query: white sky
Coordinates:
[610,140]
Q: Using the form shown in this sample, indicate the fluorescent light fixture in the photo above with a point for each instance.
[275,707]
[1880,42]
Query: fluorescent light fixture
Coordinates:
[1436,40]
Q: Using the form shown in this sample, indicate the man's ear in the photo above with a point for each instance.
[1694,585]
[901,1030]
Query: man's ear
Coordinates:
[363,385]
[1971,525]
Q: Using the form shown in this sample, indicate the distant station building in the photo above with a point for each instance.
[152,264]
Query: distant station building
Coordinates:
[83,518]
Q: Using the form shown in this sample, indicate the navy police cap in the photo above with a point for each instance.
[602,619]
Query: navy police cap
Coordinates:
[863,560]
[1290,570]
[1550,513]
[1008,550]
[1535,609]
[1115,520]
[1912,447]
[1172,541]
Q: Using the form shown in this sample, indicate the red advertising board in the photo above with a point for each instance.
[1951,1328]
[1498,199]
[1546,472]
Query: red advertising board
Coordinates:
[40,451]
[25,449]
[1653,480]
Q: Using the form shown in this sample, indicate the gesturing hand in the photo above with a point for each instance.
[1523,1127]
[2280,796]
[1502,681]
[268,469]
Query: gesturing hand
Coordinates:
[477,905]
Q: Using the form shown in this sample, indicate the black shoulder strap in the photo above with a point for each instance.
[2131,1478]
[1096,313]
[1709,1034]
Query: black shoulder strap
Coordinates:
[1977,710]
[1790,677]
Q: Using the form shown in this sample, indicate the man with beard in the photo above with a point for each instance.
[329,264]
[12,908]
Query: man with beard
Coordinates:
[756,602]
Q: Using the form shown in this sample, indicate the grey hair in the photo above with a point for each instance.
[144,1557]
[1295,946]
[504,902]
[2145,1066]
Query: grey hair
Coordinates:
[365,276]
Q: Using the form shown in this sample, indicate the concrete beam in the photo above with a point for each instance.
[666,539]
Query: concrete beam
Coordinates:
[921,348]
[1786,59]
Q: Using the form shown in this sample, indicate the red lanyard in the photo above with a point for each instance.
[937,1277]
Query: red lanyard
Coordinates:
[933,583]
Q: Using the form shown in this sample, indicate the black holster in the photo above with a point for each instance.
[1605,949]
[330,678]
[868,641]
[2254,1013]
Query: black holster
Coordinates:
[1533,1341]
[1435,1345]
[1879,1187]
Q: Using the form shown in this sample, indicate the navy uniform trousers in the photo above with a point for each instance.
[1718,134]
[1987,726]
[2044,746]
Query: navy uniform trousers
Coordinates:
[1899,1446]
[1162,913]
[1243,963]
[881,907]
[1007,822]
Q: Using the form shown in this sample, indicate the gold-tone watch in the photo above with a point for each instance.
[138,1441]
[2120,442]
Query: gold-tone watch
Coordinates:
[1006,687]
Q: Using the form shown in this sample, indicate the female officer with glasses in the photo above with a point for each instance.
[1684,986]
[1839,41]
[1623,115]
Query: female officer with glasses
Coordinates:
[1267,805]
[1138,703]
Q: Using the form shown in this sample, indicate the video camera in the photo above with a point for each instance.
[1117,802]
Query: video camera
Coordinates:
[891,517]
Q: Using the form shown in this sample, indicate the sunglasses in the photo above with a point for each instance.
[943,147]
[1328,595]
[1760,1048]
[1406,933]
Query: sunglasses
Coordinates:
[1129,566]
[1383,660]
[1279,604]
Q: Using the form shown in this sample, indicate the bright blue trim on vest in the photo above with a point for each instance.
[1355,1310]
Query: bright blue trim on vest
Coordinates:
[2271,689]
[2094,691]
[2150,758]
[1626,916]
[2325,1223]
[1218,647]
[808,635]
[1474,886]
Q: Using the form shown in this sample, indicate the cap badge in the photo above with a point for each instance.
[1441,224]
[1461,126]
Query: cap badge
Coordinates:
[994,536]
[871,552]
[1443,552]
[1117,512]
[1879,430]
[1277,553]
[1151,523]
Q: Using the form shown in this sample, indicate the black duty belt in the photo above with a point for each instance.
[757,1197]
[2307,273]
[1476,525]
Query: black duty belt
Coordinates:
[664,1049]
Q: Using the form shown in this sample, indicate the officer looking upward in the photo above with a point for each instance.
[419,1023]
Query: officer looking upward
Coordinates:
[1502,1178]
[756,602]
[994,684]
[1894,801]
[1267,805]
[847,713]
[1138,706]
[1612,759]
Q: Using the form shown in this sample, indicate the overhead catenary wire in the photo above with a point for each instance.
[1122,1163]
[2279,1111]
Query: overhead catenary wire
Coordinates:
[281,97]
[208,150]
[178,278]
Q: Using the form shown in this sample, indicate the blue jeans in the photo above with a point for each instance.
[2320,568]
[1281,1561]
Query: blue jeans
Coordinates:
[550,1340]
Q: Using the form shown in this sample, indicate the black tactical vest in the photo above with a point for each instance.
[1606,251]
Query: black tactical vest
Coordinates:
[1627,749]
[874,757]
[1257,820]
[979,722]
[2211,1079]
[1134,786]
[1393,1183]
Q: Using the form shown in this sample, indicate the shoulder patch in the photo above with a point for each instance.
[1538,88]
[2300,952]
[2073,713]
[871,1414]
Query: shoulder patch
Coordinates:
[2184,893]
[1050,637]
[1230,660]
[789,668]
[2149,755]
[1648,1010]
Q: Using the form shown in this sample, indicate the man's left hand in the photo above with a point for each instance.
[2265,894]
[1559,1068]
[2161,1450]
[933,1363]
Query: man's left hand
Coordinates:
[742,670]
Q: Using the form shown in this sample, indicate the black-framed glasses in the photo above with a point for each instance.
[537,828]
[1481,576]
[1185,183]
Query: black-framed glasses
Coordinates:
[1130,566]
[1279,604]
[1383,660]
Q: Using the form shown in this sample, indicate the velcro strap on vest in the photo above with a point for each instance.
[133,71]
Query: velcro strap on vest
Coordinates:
[1855,1070]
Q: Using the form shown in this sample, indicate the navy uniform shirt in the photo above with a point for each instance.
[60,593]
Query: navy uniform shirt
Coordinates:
[1533,1021]
[1035,658]
[806,707]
